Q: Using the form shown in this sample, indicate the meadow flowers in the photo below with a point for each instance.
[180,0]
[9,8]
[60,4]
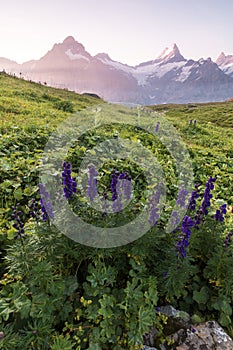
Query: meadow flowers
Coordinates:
[121,188]
[157,126]
[207,195]
[19,224]
[193,198]
[69,183]
[185,235]
[153,205]
[206,201]
[219,215]
[228,240]
[92,182]
[34,210]
[46,205]
[181,204]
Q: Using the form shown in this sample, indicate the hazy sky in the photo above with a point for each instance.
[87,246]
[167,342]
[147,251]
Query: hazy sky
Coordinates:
[130,31]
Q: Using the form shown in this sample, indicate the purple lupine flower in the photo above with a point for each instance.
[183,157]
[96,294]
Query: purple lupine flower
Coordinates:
[194,196]
[113,184]
[45,202]
[219,215]
[206,201]
[180,202]
[195,122]
[121,187]
[184,237]
[105,203]
[157,126]
[228,240]
[69,183]
[181,198]
[92,182]
[126,185]
[34,209]
[207,195]
[19,224]
[117,203]
[175,219]
[153,205]
[190,122]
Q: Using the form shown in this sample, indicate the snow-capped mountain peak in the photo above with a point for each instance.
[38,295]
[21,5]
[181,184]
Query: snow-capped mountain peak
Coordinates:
[71,43]
[221,58]
[169,78]
[74,50]
[225,63]
[171,54]
[103,57]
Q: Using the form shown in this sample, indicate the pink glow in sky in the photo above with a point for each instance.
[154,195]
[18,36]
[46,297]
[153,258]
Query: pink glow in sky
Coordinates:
[130,31]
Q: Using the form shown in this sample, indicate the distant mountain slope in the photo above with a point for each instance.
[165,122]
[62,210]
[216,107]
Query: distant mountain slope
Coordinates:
[170,78]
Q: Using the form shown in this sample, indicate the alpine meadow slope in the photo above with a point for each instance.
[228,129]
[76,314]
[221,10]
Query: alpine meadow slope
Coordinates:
[58,294]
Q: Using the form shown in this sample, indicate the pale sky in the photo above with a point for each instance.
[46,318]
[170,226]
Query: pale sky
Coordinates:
[130,31]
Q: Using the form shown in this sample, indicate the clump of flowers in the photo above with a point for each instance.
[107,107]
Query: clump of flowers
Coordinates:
[45,202]
[219,215]
[194,196]
[228,240]
[153,205]
[157,126]
[121,187]
[68,182]
[180,203]
[206,201]
[34,210]
[92,182]
[19,224]
[185,235]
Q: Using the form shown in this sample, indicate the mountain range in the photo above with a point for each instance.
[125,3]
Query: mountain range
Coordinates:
[169,78]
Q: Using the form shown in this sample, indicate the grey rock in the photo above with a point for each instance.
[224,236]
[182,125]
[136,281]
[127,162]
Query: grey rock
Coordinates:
[176,319]
[187,336]
[205,336]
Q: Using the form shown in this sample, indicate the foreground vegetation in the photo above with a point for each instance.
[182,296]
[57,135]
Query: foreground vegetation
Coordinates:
[60,295]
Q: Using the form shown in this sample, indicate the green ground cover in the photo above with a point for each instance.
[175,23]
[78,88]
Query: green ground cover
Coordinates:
[60,295]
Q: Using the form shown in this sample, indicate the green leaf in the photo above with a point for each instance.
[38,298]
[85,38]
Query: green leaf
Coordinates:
[202,296]
[18,194]
[224,319]
[94,347]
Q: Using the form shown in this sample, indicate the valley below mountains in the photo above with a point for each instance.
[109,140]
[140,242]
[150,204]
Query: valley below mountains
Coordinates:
[169,78]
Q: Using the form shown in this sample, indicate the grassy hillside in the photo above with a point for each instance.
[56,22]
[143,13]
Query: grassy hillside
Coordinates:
[58,294]
[23,103]
[29,112]
[210,141]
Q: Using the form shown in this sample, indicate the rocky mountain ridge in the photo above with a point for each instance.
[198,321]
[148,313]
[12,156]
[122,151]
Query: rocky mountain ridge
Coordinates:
[169,78]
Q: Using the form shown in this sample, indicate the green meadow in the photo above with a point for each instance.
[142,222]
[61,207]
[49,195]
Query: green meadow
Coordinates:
[60,295]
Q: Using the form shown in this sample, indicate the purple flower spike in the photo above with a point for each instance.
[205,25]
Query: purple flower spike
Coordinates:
[219,215]
[19,224]
[121,187]
[206,201]
[153,205]
[46,205]
[194,196]
[157,126]
[69,183]
[228,240]
[184,237]
[92,183]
